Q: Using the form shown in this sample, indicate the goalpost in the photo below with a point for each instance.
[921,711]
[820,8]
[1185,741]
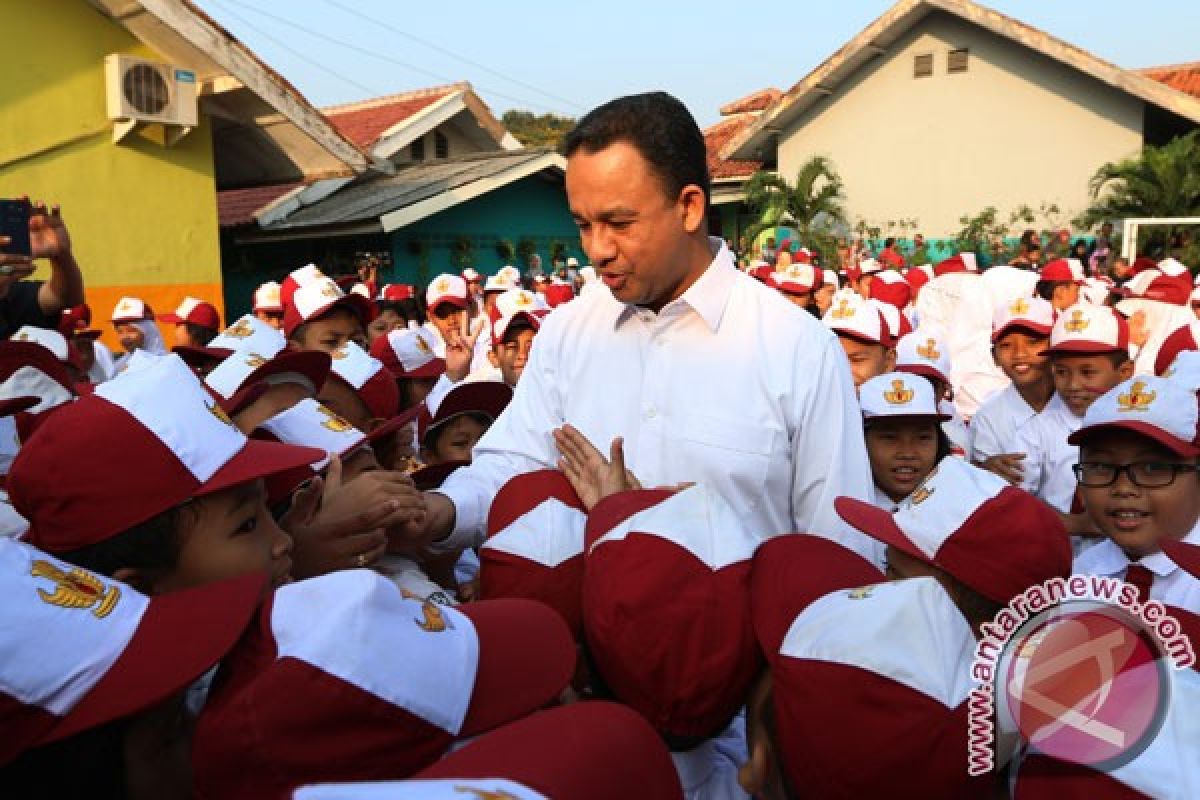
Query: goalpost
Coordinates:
[1129,231]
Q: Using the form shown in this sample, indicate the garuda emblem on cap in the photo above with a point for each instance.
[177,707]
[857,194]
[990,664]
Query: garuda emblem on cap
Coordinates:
[1078,322]
[1019,306]
[921,495]
[76,589]
[861,593]
[843,310]
[524,300]
[929,351]
[899,395]
[330,289]
[1136,399]
[423,346]
[254,360]
[442,286]
[220,414]
[239,331]
[333,421]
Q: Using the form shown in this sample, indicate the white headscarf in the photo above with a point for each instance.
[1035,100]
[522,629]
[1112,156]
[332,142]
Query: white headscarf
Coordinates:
[1161,320]
[152,341]
[104,367]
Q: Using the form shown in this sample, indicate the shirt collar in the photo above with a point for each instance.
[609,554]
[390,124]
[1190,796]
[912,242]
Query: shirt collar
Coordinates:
[1106,558]
[709,295]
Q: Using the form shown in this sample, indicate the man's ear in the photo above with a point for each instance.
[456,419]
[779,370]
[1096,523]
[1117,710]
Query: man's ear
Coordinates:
[694,203]
[1125,371]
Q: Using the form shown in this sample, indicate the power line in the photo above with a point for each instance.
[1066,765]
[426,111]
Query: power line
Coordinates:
[293,51]
[357,48]
[452,54]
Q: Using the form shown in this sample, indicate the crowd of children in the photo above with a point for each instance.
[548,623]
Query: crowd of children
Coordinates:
[210,592]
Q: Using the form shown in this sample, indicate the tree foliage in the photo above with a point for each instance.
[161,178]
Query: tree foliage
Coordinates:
[813,205]
[532,130]
[1160,182]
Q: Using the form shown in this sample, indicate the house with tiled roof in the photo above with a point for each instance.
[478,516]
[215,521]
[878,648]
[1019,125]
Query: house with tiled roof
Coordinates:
[940,108]
[728,216]
[461,186]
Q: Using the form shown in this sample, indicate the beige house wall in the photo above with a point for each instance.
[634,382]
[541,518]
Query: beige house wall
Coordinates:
[1015,128]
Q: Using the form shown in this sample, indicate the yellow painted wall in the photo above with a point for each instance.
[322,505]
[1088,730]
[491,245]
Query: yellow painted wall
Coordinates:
[142,217]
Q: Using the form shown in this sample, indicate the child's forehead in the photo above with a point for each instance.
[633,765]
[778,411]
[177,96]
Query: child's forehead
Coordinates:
[1111,442]
[336,317]
[1080,360]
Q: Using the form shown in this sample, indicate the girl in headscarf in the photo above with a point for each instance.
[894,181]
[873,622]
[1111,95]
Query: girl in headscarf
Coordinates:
[136,329]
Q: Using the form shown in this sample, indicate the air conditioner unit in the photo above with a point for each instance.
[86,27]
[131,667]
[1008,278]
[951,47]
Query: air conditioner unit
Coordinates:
[140,91]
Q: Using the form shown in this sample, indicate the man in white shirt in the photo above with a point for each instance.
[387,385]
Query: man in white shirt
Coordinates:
[707,375]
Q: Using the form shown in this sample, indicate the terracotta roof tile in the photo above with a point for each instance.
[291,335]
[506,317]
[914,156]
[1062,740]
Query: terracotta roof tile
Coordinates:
[758,101]
[1182,77]
[716,137]
[237,206]
[364,122]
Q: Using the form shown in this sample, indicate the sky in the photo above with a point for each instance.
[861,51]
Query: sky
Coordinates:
[566,57]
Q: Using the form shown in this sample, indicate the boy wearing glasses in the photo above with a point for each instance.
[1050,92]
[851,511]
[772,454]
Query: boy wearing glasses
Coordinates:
[1137,476]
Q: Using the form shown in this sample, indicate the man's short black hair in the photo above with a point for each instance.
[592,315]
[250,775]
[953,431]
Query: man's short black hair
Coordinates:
[659,126]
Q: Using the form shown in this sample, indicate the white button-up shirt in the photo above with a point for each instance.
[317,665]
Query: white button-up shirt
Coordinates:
[1048,457]
[1172,584]
[729,385]
[995,427]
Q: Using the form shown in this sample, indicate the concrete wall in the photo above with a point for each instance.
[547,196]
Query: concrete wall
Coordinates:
[142,217]
[1015,128]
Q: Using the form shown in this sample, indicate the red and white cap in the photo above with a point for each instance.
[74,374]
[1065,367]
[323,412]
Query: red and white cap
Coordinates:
[268,297]
[557,293]
[30,370]
[1161,409]
[1068,270]
[248,333]
[1031,314]
[408,353]
[310,424]
[1087,329]
[77,321]
[897,321]
[963,262]
[515,304]
[470,274]
[395,292]
[667,576]
[309,273]
[81,649]
[897,395]
[857,318]
[796,278]
[366,375]
[891,288]
[1182,339]
[918,276]
[316,299]
[446,288]
[131,309]
[534,545]
[361,289]
[158,423]
[961,520]
[924,353]
[488,398]
[52,340]
[507,278]
[194,311]
[868,266]
[829,277]
[566,752]
[387,684]
[1173,268]
[1152,284]
[245,368]
[867,681]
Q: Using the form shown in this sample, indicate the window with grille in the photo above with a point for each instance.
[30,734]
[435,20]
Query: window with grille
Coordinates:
[956,60]
[441,145]
[417,149]
[923,65]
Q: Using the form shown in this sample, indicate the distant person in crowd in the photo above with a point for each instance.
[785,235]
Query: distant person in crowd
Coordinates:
[1079,251]
[890,256]
[1059,245]
[1121,269]
[38,303]
[535,269]
[136,330]
[920,252]
[769,250]
[267,305]
[196,322]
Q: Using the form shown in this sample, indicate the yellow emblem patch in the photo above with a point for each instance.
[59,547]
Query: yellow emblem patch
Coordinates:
[929,351]
[22,337]
[442,286]
[485,794]
[843,310]
[334,422]
[339,354]
[254,360]
[330,289]
[899,395]
[1136,399]
[239,331]
[861,593]
[423,345]
[524,300]
[1019,306]
[1078,322]
[76,589]
[220,414]
[921,495]
[434,621]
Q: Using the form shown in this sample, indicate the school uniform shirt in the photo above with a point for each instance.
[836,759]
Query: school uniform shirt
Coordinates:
[995,427]
[955,429]
[882,500]
[706,773]
[1048,457]
[729,385]
[1172,585]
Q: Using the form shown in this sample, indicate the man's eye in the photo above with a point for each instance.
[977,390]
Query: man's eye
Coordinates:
[249,526]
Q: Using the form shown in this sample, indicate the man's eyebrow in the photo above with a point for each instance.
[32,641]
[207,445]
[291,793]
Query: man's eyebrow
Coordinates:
[608,215]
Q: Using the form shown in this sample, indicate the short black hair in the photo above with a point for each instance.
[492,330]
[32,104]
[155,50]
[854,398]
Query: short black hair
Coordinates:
[662,130]
[200,334]
[1045,289]
[152,546]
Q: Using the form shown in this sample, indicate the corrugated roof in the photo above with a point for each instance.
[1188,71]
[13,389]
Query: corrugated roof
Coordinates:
[716,137]
[370,197]
[365,121]
[238,206]
[1181,77]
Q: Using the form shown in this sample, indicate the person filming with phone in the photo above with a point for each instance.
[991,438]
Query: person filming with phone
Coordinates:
[29,232]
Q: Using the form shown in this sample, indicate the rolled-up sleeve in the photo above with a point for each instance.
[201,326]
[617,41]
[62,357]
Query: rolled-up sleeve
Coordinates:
[829,455]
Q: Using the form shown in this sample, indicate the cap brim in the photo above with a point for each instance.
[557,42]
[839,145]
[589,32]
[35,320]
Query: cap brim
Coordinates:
[925,371]
[259,459]
[453,301]
[429,478]
[1177,446]
[526,658]
[394,424]
[488,398]
[1021,325]
[88,333]
[159,661]
[201,357]
[171,319]
[938,417]
[14,404]
[312,365]
[878,524]
[1185,555]
[1082,349]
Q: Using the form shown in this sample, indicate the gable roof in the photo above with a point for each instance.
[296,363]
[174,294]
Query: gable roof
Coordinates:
[716,137]
[264,130]
[1181,77]
[906,14]
[238,206]
[365,121]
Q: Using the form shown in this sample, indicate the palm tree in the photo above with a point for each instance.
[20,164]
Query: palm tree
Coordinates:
[812,205]
[1160,182]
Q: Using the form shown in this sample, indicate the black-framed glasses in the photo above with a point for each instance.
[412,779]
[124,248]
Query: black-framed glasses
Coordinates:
[1146,474]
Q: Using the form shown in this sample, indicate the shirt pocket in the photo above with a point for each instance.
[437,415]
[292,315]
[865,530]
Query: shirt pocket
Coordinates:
[725,450]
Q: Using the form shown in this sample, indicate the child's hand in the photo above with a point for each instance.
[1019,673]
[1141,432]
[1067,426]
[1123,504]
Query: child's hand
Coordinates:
[460,349]
[592,475]
[1007,466]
